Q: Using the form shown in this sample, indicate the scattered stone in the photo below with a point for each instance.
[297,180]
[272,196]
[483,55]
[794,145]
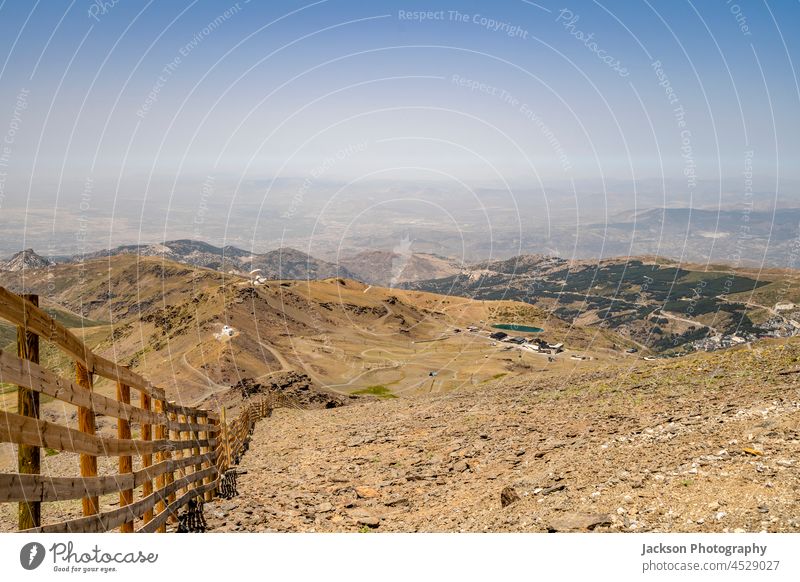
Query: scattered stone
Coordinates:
[553,489]
[508,496]
[366,492]
[579,522]
[369,521]
[460,467]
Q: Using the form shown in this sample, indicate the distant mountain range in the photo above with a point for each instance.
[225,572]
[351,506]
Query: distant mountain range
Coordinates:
[384,268]
[284,263]
[659,304]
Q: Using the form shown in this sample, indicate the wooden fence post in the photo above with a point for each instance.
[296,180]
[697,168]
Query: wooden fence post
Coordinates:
[185,436]
[198,466]
[169,476]
[233,434]
[225,441]
[86,424]
[28,457]
[125,461]
[162,456]
[218,451]
[174,435]
[206,435]
[147,460]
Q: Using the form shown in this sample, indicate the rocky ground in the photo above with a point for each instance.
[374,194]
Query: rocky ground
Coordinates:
[289,386]
[706,443]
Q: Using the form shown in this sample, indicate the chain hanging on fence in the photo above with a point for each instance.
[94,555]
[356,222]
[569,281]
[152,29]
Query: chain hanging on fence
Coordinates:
[192,520]
[227,485]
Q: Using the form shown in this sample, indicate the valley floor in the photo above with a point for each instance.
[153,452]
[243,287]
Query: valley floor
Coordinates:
[707,443]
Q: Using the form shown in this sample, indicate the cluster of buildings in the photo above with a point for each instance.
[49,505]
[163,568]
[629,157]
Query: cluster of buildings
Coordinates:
[721,341]
[780,327]
[785,323]
[774,327]
[534,344]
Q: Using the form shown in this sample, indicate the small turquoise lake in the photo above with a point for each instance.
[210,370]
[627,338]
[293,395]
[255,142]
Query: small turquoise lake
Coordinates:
[515,327]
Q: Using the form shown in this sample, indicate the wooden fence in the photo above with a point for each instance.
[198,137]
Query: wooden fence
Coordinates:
[183,451]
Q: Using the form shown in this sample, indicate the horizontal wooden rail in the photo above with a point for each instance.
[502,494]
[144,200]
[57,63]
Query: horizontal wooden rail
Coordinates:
[24,430]
[20,312]
[32,376]
[188,410]
[17,487]
[113,519]
[173,507]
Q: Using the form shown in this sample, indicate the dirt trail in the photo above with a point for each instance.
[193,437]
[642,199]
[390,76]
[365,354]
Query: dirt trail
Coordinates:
[213,387]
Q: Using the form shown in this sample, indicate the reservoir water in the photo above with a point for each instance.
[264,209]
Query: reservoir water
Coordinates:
[515,327]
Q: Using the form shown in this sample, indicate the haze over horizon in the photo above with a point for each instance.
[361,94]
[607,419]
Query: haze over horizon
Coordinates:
[475,131]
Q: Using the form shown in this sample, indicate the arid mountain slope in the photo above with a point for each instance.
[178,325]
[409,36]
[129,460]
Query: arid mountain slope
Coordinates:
[704,443]
[660,304]
[198,331]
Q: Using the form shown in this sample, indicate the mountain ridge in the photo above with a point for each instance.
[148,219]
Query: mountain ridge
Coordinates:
[25,259]
[282,263]
[657,303]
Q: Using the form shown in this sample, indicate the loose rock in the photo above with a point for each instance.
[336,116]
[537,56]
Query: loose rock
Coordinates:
[508,496]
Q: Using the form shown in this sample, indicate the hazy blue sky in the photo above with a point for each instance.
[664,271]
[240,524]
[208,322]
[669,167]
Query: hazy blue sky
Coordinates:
[280,85]
[137,93]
